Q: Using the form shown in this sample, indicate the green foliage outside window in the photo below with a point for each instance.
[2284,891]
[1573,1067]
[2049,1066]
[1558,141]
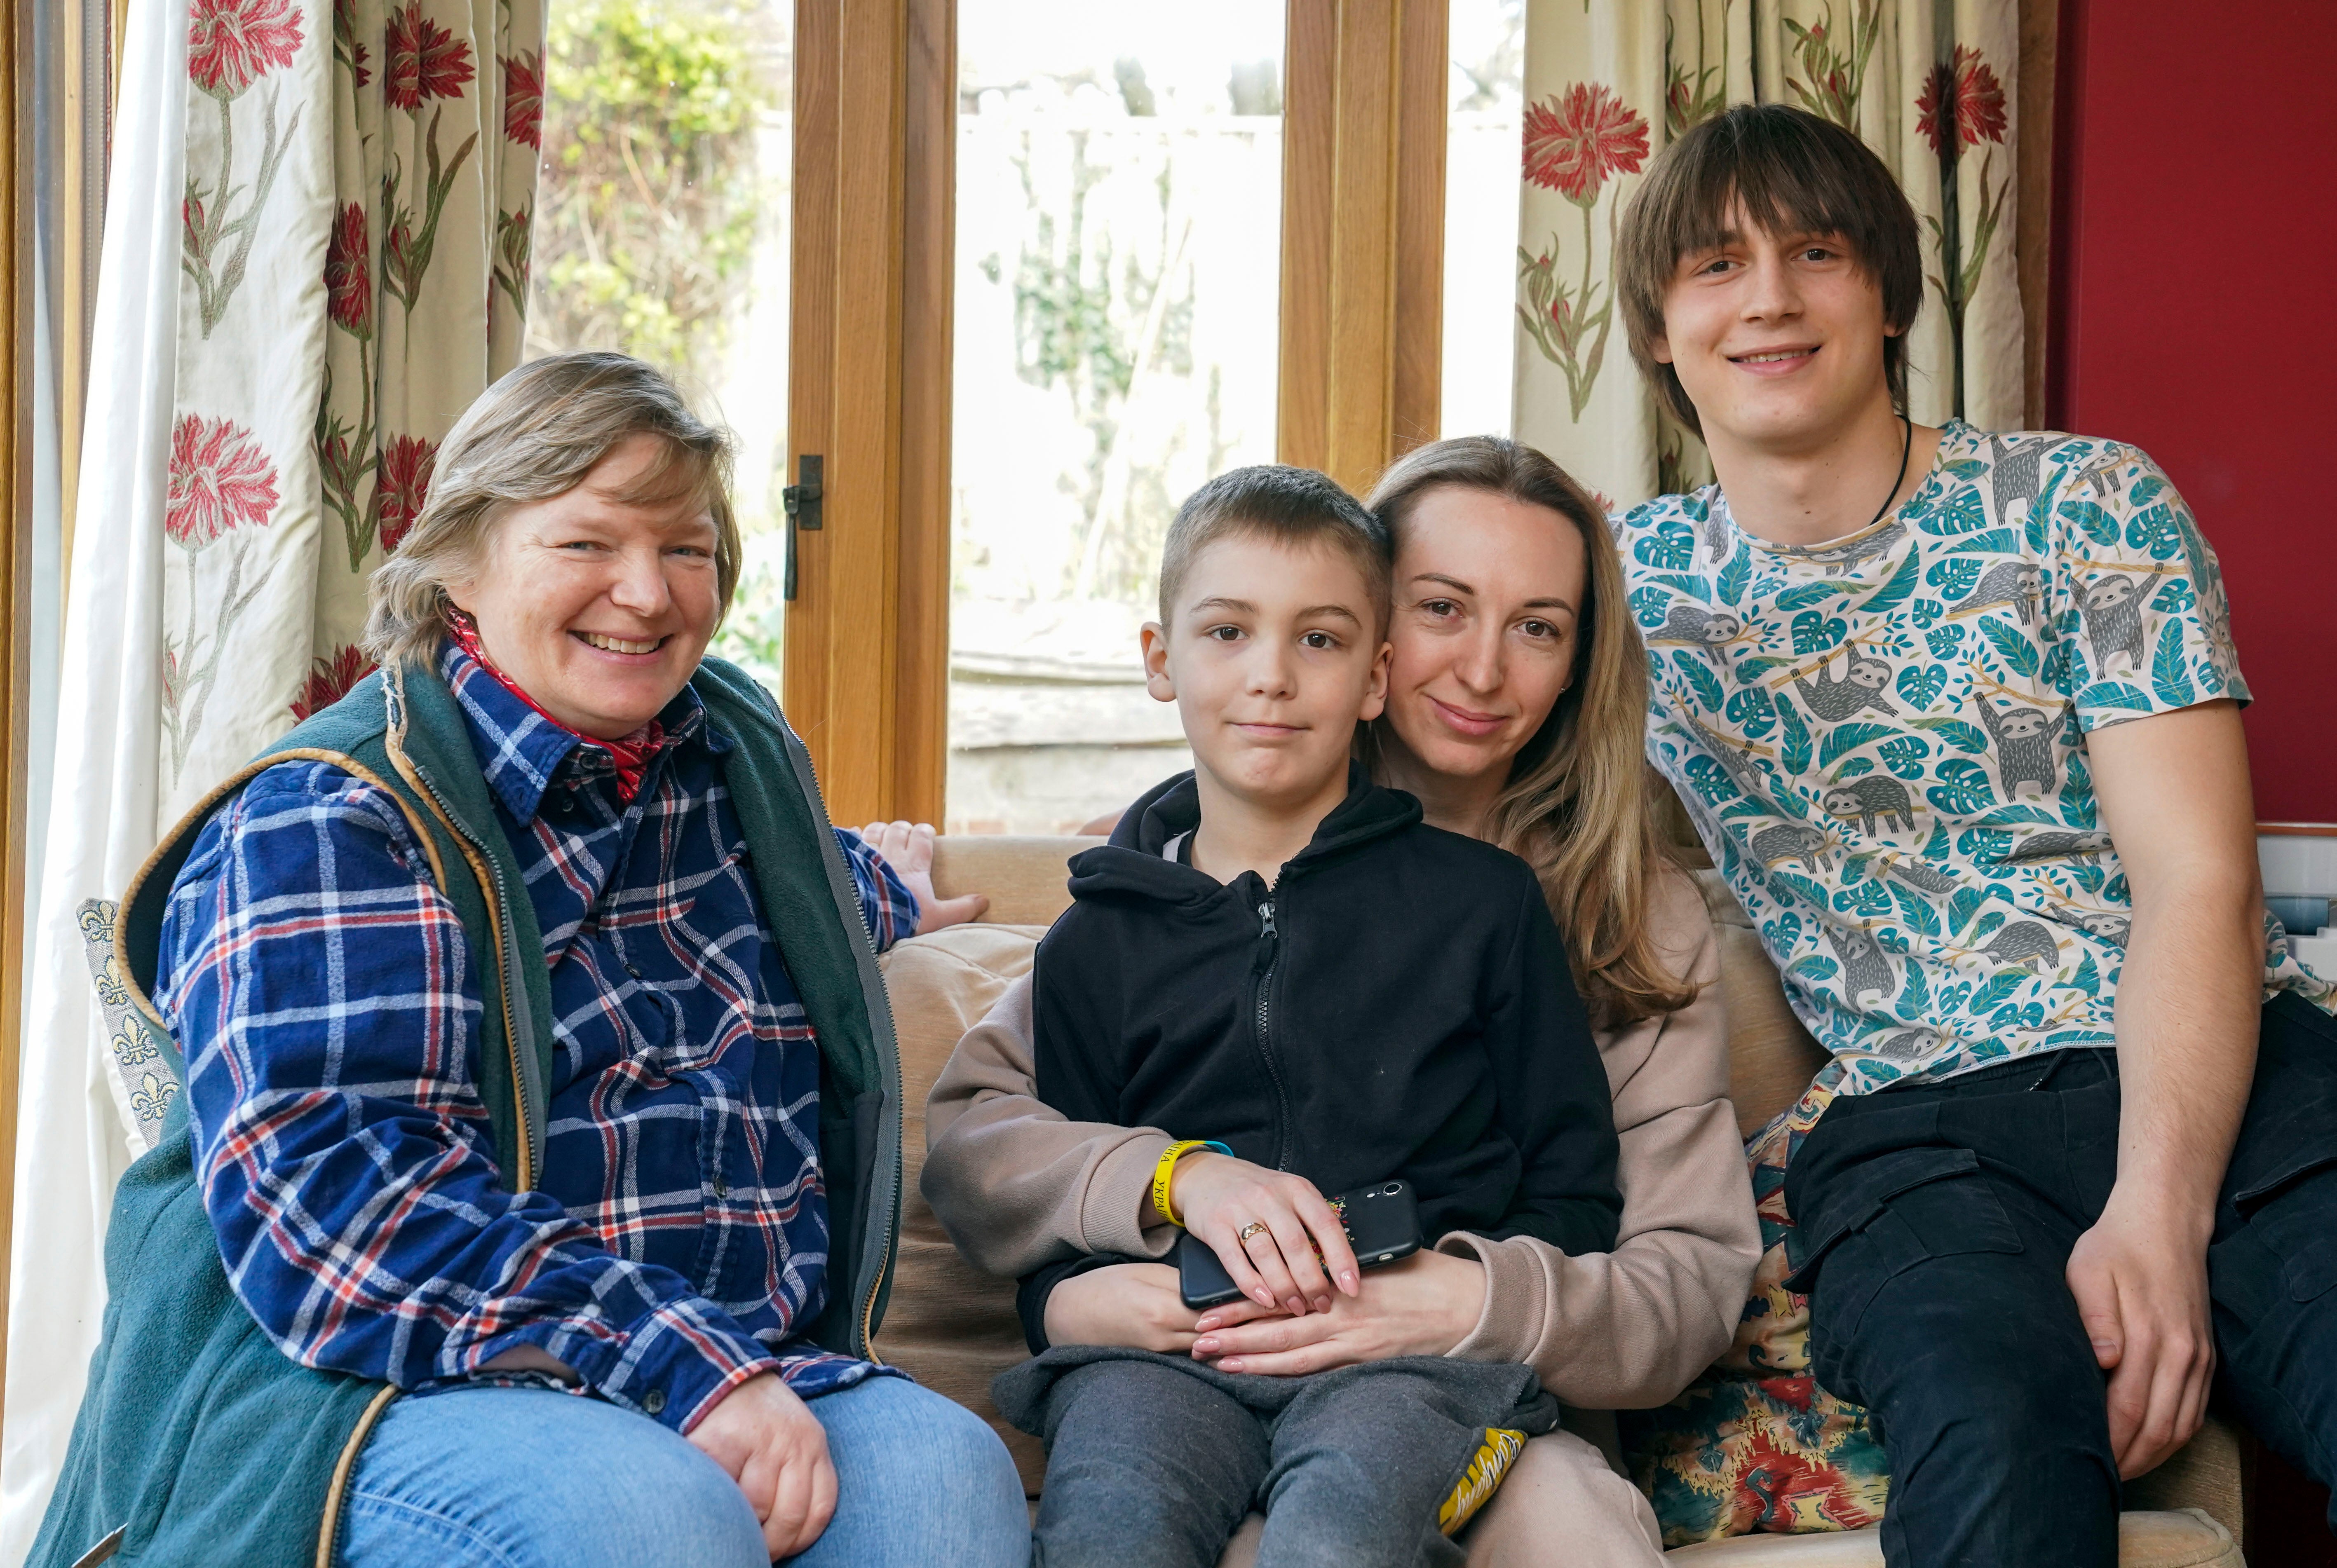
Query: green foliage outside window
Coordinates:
[650,195]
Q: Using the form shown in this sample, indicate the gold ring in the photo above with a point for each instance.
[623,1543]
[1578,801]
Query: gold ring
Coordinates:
[1252,1229]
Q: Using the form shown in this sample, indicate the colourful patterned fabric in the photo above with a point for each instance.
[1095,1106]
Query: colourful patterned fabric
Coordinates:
[1754,1443]
[1881,738]
[327,999]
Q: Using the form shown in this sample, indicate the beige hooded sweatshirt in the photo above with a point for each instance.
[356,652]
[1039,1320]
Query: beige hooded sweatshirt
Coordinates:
[1015,1185]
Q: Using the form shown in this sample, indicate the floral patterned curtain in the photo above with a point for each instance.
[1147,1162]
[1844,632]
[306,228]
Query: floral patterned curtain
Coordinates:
[1928,84]
[360,183]
[316,254]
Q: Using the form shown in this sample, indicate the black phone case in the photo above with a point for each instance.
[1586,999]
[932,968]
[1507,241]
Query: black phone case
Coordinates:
[1382,1221]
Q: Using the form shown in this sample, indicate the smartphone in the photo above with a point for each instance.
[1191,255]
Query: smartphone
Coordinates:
[1382,1221]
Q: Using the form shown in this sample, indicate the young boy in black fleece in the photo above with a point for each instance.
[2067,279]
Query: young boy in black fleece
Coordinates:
[1277,955]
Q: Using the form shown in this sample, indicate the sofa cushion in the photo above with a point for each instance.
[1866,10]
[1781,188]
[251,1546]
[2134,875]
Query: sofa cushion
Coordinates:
[2186,1538]
[1772,1056]
[948,1324]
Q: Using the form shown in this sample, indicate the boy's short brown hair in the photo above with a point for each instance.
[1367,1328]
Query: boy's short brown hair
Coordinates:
[1296,506]
[1790,172]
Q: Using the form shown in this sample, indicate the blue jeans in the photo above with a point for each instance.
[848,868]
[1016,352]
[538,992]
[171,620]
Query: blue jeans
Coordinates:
[530,1478]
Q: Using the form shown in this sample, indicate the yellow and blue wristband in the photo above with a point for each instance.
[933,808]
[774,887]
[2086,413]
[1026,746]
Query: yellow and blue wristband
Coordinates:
[1168,1168]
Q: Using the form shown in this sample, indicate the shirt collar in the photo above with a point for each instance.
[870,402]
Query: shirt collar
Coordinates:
[522,754]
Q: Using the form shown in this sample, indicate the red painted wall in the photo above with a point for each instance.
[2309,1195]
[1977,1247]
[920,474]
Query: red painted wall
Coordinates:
[2194,314]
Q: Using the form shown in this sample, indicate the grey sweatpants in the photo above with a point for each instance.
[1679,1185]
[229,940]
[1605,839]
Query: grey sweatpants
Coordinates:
[1153,1463]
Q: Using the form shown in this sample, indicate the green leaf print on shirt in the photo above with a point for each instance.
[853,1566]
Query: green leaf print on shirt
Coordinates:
[2113,694]
[1841,742]
[1963,789]
[1671,547]
[1953,576]
[1707,685]
[1954,731]
[1810,593]
[1997,991]
[1751,711]
[1736,576]
[1966,509]
[2018,653]
[1904,755]
[1922,684]
[1814,633]
[1794,742]
[1895,593]
[2099,526]
[2170,672]
[2155,532]
[1917,912]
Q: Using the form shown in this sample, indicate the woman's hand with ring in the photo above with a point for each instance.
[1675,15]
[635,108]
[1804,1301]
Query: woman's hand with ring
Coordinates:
[1259,1224]
[1423,1306]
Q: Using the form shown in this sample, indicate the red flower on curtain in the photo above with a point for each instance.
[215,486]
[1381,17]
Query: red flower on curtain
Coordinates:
[330,677]
[403,485]
[423,60]
[1574,145]
[1963,99]
[346,49]
[349,287]
[221,479]
[524,99]
[232,44]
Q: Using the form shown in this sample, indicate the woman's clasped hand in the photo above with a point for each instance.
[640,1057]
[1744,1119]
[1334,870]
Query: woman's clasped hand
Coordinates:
[1424,1305]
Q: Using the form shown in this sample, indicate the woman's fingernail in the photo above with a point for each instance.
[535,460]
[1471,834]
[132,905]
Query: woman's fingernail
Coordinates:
[1348,1278]
[1205,1346]
[1230,1364]
[1264,1297]
[1205,1324]
[1294,1306]
[1322,1303]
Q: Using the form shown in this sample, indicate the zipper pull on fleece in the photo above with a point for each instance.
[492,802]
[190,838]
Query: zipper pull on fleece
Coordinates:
[1269,938]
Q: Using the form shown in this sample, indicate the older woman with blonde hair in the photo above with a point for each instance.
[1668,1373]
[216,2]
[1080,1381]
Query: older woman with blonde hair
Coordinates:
[534,1192]
[1517,695]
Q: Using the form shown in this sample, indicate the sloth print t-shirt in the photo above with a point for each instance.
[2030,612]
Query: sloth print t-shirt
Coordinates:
[1881,738]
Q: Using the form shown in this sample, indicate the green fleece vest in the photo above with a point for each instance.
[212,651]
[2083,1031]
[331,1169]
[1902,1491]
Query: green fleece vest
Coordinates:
[198,1440]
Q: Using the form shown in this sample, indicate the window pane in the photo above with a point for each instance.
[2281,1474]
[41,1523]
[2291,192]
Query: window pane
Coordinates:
[661,230]
[1486,131]
[1119,223]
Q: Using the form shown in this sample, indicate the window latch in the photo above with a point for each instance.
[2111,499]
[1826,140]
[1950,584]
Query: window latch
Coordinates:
[801,500]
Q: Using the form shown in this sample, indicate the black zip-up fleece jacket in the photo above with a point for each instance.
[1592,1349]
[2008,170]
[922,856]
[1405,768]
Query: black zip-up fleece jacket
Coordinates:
[1396,1005]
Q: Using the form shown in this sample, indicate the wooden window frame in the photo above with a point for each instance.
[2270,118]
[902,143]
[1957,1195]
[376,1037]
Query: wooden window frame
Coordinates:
[868,391]
[870,365]
[1363,233]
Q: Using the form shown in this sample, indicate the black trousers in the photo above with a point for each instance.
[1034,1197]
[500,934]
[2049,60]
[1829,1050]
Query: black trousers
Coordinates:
[1933,1224]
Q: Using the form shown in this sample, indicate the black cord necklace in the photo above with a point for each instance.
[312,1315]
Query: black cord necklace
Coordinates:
[1905,451]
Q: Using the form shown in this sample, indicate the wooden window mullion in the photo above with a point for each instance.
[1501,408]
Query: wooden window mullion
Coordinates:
[866,676]
[1363,235]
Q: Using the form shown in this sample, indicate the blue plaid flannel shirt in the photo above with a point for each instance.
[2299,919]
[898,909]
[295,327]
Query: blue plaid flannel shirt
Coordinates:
[328,1007]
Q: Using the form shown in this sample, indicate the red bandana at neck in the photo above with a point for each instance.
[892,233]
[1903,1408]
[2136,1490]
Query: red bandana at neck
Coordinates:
[631,755]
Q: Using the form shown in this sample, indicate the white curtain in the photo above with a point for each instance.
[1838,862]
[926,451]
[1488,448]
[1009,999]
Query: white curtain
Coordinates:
[1931,85]
[71,1146]
[317,255]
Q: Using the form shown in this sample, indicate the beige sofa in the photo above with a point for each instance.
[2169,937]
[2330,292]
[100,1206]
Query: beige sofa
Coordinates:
[955,1329]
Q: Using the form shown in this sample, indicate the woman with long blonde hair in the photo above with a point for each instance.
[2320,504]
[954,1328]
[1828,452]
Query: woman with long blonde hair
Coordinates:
[1515,712]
